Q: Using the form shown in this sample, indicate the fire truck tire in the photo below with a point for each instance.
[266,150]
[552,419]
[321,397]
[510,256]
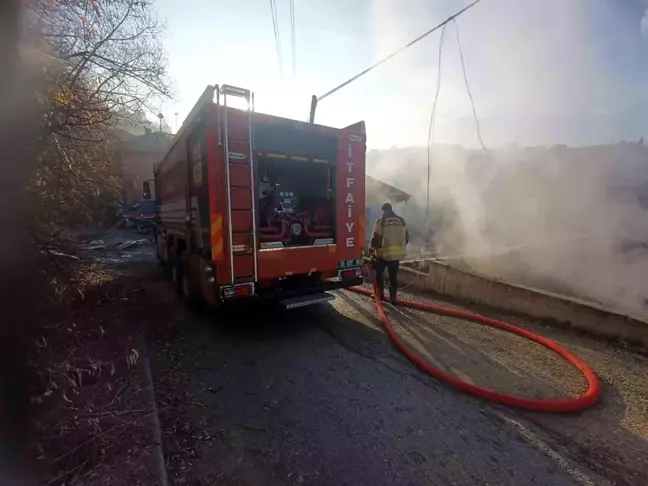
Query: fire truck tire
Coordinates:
[161,261]
[175,270]
[189,295]
[163,265]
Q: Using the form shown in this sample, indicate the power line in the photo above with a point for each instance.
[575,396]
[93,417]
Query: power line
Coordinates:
[433,113]
[472,102]
[293,42]
[393,54]
[432,125]
[275,25]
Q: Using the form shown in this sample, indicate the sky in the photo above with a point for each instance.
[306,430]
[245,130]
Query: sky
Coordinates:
[541,72]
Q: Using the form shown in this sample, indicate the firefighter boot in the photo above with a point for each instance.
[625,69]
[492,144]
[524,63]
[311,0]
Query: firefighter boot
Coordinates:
[381,289]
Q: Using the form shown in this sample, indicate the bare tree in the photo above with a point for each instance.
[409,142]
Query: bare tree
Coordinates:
[106,66]
[96,64]
[113,44]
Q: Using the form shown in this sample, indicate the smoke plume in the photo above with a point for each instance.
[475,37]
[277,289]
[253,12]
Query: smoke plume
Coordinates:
[566,220]
[569,218]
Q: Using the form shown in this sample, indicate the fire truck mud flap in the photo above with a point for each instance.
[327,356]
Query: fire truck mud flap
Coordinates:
[304,300]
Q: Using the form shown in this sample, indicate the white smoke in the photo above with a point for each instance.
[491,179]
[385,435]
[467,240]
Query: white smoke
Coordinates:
[564,219]
[644,21]
[567,220]
[541,72]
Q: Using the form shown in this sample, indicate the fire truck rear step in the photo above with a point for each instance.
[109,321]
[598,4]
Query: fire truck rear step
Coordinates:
[304,300]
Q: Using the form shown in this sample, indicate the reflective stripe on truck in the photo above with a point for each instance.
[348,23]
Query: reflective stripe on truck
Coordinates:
[217,237]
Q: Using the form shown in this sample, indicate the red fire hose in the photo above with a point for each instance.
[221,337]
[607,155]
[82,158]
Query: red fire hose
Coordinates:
[589,398]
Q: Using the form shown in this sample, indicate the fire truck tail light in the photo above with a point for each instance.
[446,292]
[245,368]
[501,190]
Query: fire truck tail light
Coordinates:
[243,290]
[350,274]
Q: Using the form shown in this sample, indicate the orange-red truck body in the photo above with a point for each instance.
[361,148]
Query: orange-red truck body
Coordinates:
[192,183]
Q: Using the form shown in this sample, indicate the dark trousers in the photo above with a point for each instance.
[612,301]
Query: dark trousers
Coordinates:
[392,269]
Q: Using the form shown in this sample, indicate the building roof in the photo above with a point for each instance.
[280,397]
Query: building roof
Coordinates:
[151,142]
[380,190]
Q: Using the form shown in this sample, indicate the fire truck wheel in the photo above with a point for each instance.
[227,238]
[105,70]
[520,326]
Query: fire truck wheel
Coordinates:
[175,272]
[161,261]
[163,265]
[190,297]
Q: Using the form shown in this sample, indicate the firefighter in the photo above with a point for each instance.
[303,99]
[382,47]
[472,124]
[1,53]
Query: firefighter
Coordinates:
[388,241]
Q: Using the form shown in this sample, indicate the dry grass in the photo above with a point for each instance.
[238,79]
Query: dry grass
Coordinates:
[93,405]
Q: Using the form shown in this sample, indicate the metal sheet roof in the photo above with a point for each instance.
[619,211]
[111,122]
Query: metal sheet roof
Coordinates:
[378,189]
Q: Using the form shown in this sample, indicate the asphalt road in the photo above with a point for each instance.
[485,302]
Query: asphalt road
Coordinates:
[318,396]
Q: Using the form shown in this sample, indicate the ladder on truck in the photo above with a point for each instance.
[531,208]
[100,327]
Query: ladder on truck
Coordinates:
[238,131]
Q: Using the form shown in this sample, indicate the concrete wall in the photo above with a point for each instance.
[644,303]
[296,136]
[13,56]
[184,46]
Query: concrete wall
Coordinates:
[442,279]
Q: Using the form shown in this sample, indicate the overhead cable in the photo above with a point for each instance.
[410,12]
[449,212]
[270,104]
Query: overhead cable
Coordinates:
[394,54]
[275,25]
[472,101]
[293,40]
[431,127]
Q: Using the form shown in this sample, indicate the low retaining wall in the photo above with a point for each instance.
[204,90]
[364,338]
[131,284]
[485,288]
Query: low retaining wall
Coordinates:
[444,280]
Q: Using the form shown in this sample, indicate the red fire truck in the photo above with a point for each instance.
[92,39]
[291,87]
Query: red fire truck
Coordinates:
[258,206]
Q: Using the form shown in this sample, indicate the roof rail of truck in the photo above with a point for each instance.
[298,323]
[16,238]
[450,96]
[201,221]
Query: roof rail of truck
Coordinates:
[206,98]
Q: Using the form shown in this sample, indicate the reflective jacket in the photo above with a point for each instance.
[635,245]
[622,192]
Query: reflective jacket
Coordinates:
[390,237]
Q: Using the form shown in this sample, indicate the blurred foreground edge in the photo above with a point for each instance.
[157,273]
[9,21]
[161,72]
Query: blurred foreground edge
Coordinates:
[17,258]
